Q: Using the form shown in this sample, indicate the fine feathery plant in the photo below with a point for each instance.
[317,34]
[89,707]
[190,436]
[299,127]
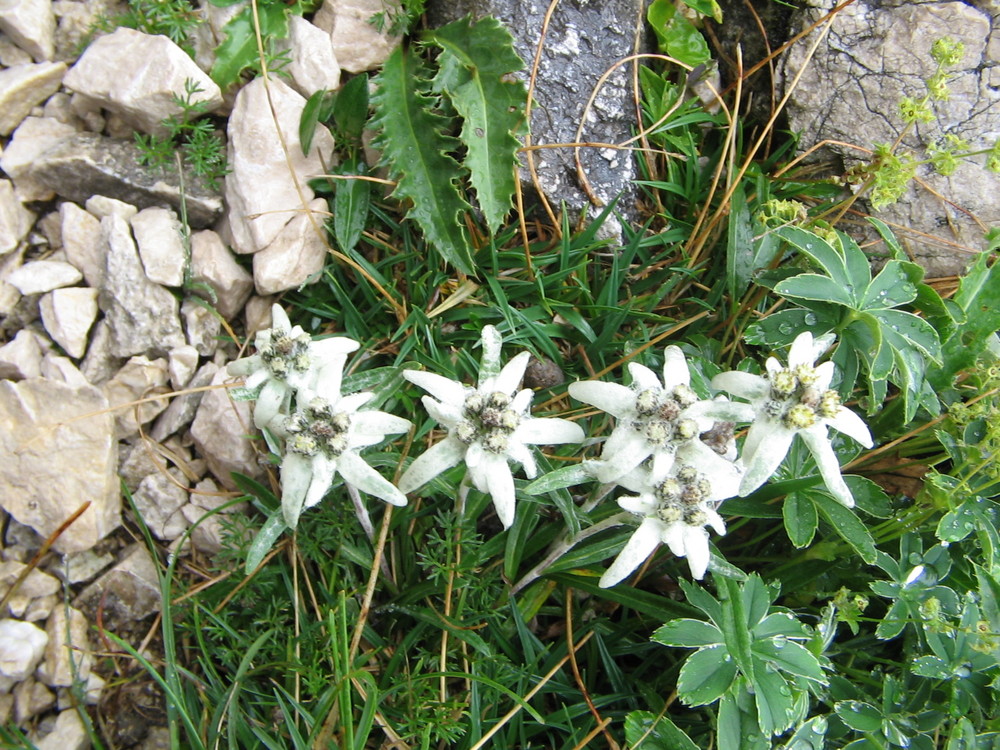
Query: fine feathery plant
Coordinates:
[624,492]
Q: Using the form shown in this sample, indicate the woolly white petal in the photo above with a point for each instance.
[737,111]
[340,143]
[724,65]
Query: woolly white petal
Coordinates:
[849,423]
[279,318]
[613,398]
[324,470]
[357,472]
[818,442]
[351,403]
[675,368]
[548,431]
[724,476]
[378,423]
[663,462]
[721,409]
[641,505]
[489,363]
[742,384]
[273,398]
[522,454]
[639,546]
[622,455]
[510,376]
[334,348]
[771,451]
[824,375]
[500,485]
[521,402]
[802,352]
[715,521]
[439,457]
[440,387]
[643,378]
[447,414]
[474,456]
[695,543]
[296,476]
[245,366]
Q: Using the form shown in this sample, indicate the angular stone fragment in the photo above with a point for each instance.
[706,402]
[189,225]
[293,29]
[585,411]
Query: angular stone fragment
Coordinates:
[313,62]
[40,276]
[181,364]
[24,86]
[62,369]
[202,326]
[83,242]
[158,499]
[68,647]
[214,265]
[161,245]
[297,254]
[31,24]
[67,734]
[22,646]
[261,195]
[127,593]
[68,315]
[103,206]
[182,409]
[46,427]
[100,364]
[35,585]
[221,432]
[86,164]
[33,137]
[139,76]
[142,315]
[30,699]
[21,357]
[15,219]
[359,41]
[138,380]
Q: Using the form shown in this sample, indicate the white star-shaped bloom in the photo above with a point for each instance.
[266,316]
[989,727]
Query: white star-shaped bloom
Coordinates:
[654,419]
[287,360]
[488,426]
[790,401]
[675,508]
[324,438]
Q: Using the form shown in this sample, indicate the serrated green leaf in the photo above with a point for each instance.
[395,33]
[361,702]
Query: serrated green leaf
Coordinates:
[774,699]
[860,716]
[705,676]
[416,151]
[473,66]
[238,50]
[820,251]
[645,730]
[801,519]
[790,657]
[891,288]
[845,523]
[781,328]
[264,541]
[687,633]
[350,206]
[814,286]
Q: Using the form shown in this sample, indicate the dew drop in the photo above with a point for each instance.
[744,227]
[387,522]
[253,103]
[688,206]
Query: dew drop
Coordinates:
[785,329]
[786,691]
[819,725]
[810,319]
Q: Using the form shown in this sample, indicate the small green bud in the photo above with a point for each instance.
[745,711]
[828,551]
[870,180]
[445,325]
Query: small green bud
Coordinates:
[783,383]
[947,52]
[799,417]
[914,110]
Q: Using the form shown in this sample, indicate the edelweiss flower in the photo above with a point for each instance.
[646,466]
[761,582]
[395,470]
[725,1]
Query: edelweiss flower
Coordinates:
[287,360]
[322,439]
[653,418]
[676,507]
[487,426]
[790,401]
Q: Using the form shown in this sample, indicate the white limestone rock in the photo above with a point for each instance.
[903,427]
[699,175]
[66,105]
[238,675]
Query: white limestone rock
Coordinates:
[158,233]
[258,314]
[103,206]
[182,409]
[41,276]
[46,427]
[214,265]
[159,499]
[220,432]
[31,24]
[260,193]
[69,645]
[24,86]
[22,646]
[67,734]
[68,315]
[21,357]
[137,380]
[313,62]
[181,364]
[30,699]
[142,315]
[37,584]
[83,242]
[15,219]
[138,75]
[202,326]
[296,254]
[11,54]
[100,363]
[357,41]
[62,369]
[33,137]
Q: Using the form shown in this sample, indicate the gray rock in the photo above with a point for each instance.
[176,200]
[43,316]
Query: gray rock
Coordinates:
[37,584]
[62,369]
[86,164]
[181,364]
[41,276]
[127,593]
[313,65]
[202,326]
[158,499]
[140,76]
[69,733]
[214,265]
[68,315]
[139,379]
[877,52]
[103,206]
[220,432]
[24,86]
[262,195]
[358,42]
[31,24]
[142,315]
[68,646]
[15,219]
[83,242]
[295,256]
[41,421]
[183,408]
[30,699]
[21,357]
[100,364]
[583,41]
[159,236]
[33,137]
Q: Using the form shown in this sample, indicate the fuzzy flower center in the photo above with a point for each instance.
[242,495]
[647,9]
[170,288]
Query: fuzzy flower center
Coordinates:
[285,354]
[318,429]
[796,401]
[681,497]
[488,419]
[658,415]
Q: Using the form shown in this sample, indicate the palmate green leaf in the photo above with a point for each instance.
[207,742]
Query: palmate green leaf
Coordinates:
[789,656]
[814,286]
[686,633]
[737,724]
[706,675]
[825,255]
[781,327]
[476,59]
[645,730]
[416,151]
[775,701]
[895,285]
